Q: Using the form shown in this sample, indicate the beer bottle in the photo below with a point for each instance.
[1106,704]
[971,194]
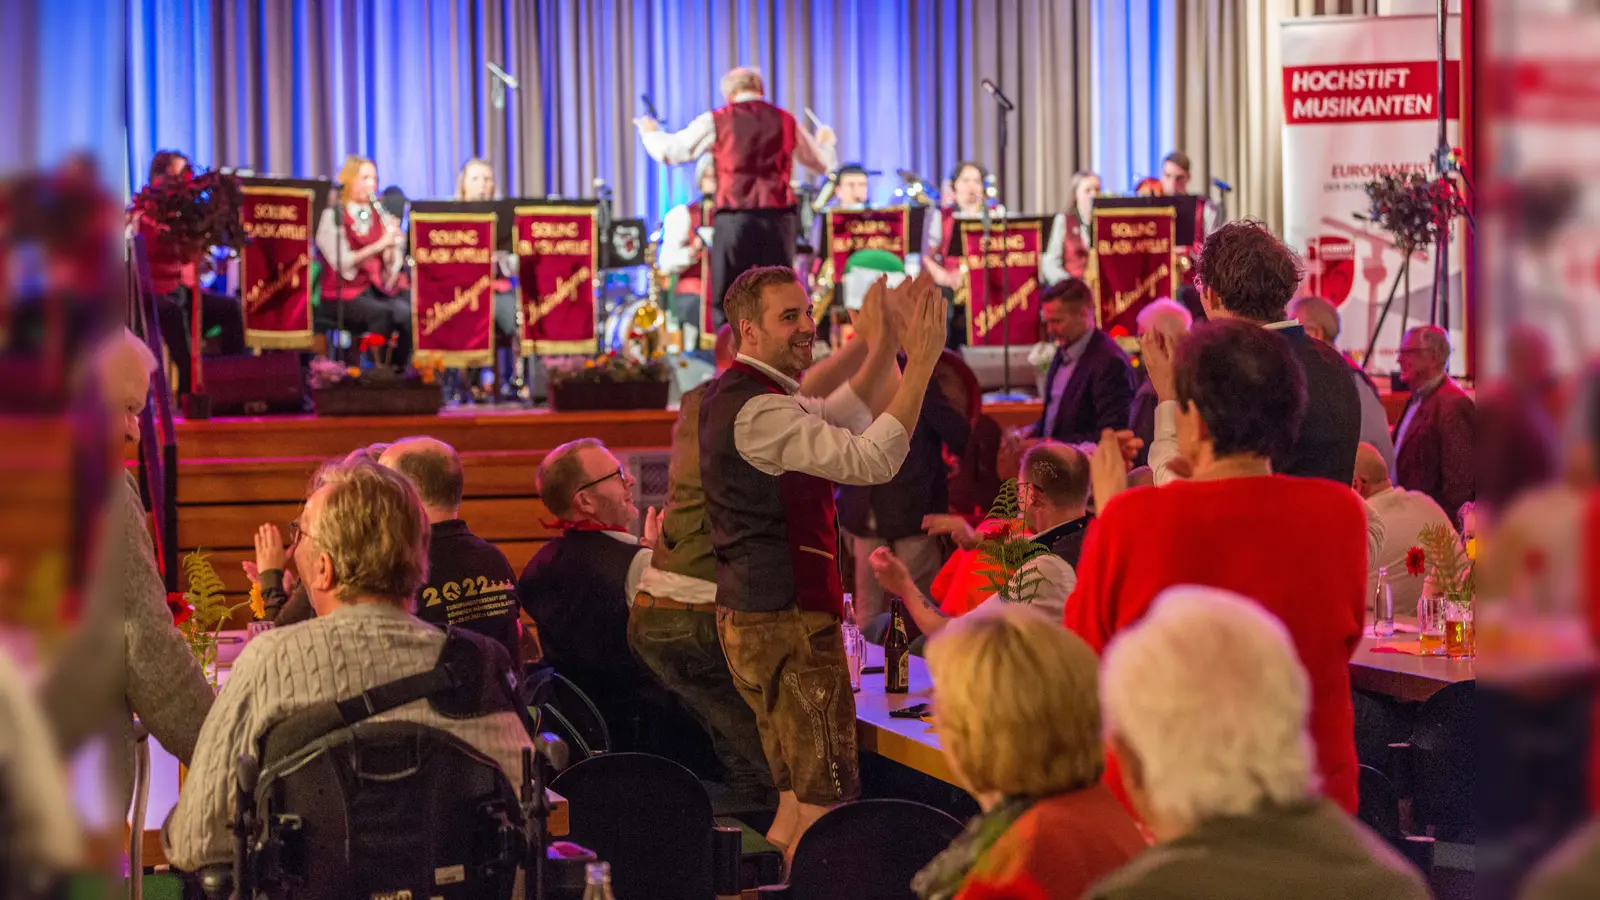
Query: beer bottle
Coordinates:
[896,651]
[597,881]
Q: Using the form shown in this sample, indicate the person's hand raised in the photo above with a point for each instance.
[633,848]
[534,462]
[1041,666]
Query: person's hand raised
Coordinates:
[1108,471]
[645,124]
[959,529]
[870,319]
[1155,353]
[924,335]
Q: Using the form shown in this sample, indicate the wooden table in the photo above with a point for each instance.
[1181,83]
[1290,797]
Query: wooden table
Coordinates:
[910,742]
[1401,675]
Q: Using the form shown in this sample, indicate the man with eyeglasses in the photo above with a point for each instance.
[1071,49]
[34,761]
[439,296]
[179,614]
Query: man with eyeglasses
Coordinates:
[578,586]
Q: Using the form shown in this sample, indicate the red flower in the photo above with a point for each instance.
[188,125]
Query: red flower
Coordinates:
[1117,331]
[371,341]
[1415,561]
[181,610]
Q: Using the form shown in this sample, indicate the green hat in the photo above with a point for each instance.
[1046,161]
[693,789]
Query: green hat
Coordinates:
[864,267]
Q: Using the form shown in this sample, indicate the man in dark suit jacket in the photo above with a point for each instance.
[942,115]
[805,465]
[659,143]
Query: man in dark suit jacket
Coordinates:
[1247,273]
[1090,383]
[891,514]
[1433,441]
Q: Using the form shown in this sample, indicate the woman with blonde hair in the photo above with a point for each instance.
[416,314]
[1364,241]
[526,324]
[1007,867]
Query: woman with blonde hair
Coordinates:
[1067,254]
[363,253]
[1018,716]
[475,184]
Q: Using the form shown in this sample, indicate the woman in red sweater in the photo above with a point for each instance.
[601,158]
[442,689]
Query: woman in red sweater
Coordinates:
[1297,546]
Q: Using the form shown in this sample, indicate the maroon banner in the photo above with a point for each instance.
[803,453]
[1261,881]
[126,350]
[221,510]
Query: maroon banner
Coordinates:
[452,287]
[1002,281]
[1134,263]
[275,268]
[850,230]
[559,264]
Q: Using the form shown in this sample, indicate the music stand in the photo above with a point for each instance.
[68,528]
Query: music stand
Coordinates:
[1184,206]
[322,196]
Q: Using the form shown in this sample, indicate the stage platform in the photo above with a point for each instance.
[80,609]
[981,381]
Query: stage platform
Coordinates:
[234,474]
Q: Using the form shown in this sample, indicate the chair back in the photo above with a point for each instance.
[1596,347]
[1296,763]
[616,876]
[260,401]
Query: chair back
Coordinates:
[1443,745]
[869,850]
[564,710]
[649,817]
[387,809]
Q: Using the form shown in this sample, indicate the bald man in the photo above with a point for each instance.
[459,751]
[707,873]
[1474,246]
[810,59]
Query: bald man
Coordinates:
[470,583]
[1403,514]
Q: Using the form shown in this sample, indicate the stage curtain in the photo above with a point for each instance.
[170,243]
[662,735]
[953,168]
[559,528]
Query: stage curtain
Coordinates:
[1229,98]
[898,80]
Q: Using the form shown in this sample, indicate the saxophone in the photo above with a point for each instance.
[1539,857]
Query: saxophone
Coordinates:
[647,332]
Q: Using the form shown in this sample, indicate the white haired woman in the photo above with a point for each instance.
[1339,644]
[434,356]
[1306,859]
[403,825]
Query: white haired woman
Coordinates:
[1206,708]
[1019,720]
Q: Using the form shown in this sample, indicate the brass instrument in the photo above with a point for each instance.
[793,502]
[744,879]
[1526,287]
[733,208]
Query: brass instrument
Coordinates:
[647,332]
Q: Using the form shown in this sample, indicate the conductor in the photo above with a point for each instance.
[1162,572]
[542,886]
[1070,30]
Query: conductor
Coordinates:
[754,146]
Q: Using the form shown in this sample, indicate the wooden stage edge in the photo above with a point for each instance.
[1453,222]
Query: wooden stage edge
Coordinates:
[468,430]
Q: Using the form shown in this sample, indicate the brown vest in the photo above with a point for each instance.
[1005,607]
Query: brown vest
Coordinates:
[685,547]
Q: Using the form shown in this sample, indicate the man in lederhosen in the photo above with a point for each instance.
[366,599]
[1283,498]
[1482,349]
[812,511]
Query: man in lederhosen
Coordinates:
[754,146]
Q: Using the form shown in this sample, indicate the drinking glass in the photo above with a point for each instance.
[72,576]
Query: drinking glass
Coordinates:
[1459,635]
[855,649]
[1383,606]
[1430,625]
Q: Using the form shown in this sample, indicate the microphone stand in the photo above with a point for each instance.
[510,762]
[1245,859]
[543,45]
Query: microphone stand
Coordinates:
[1005,107]
[338,267]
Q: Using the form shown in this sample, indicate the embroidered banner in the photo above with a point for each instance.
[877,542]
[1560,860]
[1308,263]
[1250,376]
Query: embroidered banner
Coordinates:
[1135,263]
[850,230]
[452,287]
[275,267]
[559,265]
[1008,270]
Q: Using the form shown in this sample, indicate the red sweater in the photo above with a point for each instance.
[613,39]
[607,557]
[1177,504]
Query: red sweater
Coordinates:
[1297,546]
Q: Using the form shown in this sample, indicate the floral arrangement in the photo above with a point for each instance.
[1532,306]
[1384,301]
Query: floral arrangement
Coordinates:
[202,611]
[1005,550]
[610,368]
[1413,208]
[376,355]
[1448,563]
[196,212]
[1041,354]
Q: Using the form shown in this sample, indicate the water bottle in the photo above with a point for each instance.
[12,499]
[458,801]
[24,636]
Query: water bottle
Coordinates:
[597,881]
[1383,606]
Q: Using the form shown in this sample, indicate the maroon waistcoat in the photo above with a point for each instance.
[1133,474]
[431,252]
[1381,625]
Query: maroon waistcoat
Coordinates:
[753,154]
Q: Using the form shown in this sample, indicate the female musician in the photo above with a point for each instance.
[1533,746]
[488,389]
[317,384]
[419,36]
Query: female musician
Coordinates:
[1067,254]
[475,184]
[168,270]
[962,198]
[683,251]
[363,258]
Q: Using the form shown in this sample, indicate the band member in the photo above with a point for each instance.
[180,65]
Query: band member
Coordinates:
[683,250]
[1067,254]
[475,184]
[850,191]
[962,198]
[363,262]
[1175,169]
[169,268]
[754,146]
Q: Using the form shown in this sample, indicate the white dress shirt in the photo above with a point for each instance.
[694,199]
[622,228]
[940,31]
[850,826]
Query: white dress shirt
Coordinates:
[676,253]
[834,438]
[1404,514]
[1050,596]
[679,587]
[697,138]
[334,244]
[1052,265]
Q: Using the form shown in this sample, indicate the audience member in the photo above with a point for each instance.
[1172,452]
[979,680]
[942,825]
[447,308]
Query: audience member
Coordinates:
[470,582]
[891,515]
[1090,383]
[673,626]
[1206,708]
[361,548]
[1246,273]
[1053,494]
[1168,318]
[40,840]
[577,588]
[1433,441]
[769,461]
[1320,320]
[1295,545]
[1404,514]
[126,658]
[1019,721]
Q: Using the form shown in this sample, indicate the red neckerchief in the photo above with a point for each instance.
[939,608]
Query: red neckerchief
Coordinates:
[564,525]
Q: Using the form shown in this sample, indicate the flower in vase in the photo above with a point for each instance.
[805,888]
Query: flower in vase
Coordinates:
[179,606]
[258,603]
[1415,561]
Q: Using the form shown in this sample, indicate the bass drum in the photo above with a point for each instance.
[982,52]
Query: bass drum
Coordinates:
[618,323]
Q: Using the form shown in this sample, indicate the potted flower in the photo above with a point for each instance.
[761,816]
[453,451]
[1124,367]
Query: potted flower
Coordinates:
[375,388]
[202,612]
[1006,549]
[611,381]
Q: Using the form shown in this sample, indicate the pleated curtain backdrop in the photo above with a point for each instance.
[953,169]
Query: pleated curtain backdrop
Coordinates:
[1229,100]
[292,86]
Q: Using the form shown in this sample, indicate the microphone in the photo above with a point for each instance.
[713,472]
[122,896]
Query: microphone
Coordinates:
[601,187]
[504,76]
[650,108]
[998,95]
[1222,186]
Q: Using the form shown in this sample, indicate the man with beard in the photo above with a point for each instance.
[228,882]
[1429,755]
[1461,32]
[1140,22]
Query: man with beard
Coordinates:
[770,460]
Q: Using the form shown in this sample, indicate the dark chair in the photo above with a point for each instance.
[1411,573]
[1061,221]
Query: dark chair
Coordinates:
[1440,765]
[868,850]
[1380,811]
[649,817]
[566,711]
